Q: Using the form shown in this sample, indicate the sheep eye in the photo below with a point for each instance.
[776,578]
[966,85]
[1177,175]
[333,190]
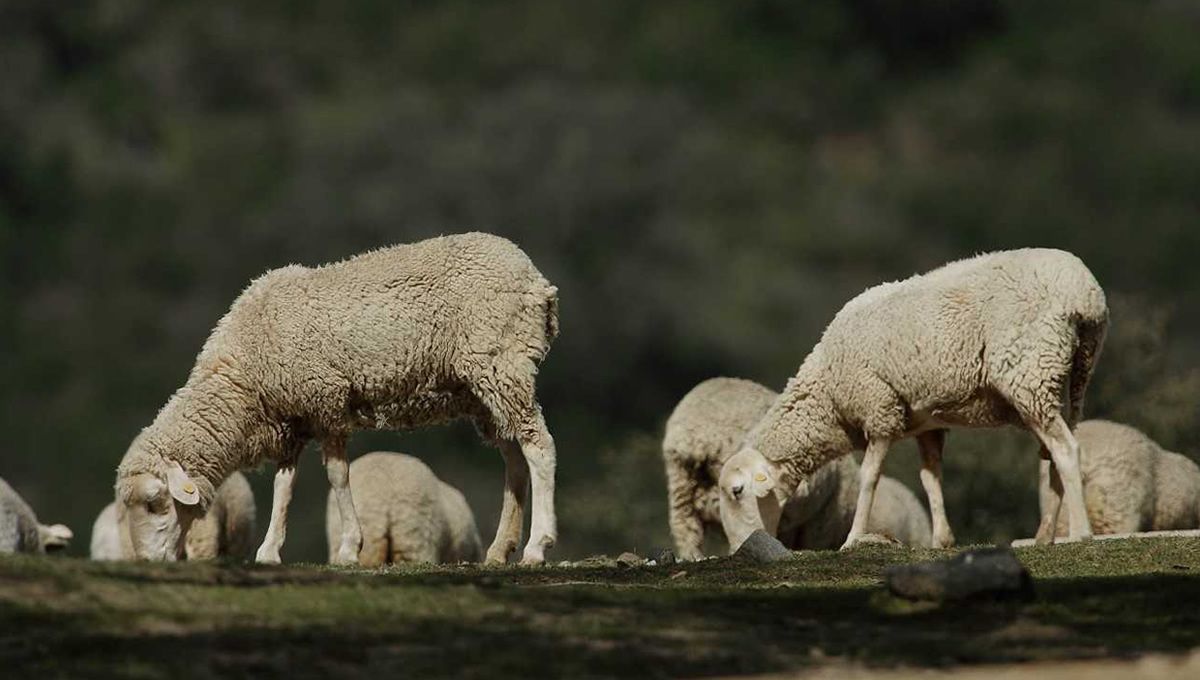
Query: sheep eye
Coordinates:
[157,505]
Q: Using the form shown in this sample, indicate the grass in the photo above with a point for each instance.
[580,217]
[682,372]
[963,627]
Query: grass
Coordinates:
[69,617]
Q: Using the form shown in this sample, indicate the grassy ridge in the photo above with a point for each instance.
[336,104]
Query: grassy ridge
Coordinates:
[62,617]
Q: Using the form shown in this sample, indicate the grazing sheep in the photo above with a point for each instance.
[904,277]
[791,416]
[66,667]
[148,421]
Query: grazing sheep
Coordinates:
[407,514]
[983,342]
[226,530]
[704,430]
[1130,483]
[708,426]
[20,530]
[401,337]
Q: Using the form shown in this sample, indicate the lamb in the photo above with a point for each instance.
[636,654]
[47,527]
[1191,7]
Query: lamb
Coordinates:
[707,427]
[1130,483]
[983,342]
[226,530]
[397,338]
[407,514]
[20,530]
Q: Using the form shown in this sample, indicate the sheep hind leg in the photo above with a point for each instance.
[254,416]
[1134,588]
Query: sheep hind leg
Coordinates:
[333,451]
[512,511]
[285,479]
[538,447]
[868,481]
[1048,528]
[1064,456]
[931,444]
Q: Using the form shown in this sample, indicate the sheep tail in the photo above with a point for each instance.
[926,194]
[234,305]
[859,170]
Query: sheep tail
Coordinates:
[551,310]
[1090,334]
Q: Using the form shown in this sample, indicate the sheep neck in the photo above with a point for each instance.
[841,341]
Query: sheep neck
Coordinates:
[208,427]
[802,430]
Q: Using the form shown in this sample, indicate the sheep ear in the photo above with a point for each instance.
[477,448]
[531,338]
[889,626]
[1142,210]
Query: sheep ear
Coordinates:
[762,481]
[181,486]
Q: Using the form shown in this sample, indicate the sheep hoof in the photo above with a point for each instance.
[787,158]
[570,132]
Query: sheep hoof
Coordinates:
[267,556]
[498,553]
[534,555]
[946,541]
[346,556]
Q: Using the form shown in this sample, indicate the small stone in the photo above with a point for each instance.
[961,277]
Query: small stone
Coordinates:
[667,558]
[677,575]
[763,548]
[988,572]
[627,559]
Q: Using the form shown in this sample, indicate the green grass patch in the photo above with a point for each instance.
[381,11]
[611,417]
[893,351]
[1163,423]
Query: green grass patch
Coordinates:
[68,617]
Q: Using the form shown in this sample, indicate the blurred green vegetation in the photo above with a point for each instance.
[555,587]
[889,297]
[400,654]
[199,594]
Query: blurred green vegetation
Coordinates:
[705,182]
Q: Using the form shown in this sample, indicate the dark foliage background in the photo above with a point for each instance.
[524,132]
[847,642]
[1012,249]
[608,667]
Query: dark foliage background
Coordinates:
[705,182]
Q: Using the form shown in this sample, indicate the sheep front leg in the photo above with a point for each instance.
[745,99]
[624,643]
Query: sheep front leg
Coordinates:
[512,512]
[868,480]
[285,479]
[333,451]
[538,447]
[686,526]
[930,444]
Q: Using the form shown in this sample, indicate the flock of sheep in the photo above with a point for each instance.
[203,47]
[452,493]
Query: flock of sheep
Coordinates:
[457,326]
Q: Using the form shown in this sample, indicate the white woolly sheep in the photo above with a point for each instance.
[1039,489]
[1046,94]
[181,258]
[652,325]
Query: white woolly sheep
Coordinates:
[397,338]
[705,429]
[407,514]
[983,342]
[226,530]
[20,530]
[1130,483]
[708,426]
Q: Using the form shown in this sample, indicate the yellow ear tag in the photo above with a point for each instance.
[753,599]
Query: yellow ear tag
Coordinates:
[189,488]
[760,477]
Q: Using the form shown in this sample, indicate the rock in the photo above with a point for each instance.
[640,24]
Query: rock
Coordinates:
[985,573]
[763,548]
[627,559]
[666,558]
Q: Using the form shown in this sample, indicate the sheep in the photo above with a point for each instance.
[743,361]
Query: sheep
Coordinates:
[20,530]
[226,530]
[704,430]
[708,426]
[407,514]
[396,338]
[1130,483]
[983,342]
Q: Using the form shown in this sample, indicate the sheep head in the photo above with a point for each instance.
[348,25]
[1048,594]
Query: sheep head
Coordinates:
[158,503]
[749,496]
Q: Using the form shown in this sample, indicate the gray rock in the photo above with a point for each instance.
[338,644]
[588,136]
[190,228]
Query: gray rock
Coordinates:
[666,558]
[763,548]
[627,559]
[985,573]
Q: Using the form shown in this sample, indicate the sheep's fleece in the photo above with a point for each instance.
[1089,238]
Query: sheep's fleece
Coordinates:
[989,341]
[401,337]
[227,529]
[407,514]
[708,426]
[1130,483]
[19,527]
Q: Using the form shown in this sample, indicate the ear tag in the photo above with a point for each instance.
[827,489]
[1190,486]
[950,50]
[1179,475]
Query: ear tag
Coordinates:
[181,486]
